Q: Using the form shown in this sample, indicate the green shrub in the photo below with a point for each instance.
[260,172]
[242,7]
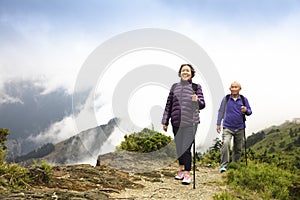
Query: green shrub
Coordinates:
[267,180]
[3,149]
[13,176]
[41,172]
[233,165]
[3,154]
[210,158]
[224,196]
[147,141]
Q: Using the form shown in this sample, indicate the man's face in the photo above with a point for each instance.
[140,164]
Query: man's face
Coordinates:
[235,88]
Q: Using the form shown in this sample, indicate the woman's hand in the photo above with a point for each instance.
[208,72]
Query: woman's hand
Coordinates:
[165,127]
[194,97]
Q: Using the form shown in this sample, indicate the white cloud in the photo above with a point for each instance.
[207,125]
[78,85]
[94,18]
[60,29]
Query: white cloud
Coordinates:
[57,132]
[57,59]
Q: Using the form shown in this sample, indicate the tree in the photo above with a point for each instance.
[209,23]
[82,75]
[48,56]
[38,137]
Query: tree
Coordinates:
[272,150]
[282,144]
[291,133]
[254,138]
[3,149]
[39,153]
[217,145]
[297,142]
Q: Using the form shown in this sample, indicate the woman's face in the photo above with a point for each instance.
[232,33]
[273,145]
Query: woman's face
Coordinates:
[186,73]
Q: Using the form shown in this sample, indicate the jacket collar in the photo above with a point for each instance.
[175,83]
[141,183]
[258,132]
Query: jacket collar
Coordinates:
[186,82]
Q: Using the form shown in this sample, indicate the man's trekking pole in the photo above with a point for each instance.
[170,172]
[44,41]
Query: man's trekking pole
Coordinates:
[245,148]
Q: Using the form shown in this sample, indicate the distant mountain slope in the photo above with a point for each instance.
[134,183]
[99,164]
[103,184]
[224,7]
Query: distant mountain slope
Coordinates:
[81,147]
[282,141]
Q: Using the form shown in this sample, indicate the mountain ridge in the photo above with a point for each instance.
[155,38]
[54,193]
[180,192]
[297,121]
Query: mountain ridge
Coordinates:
[73,150]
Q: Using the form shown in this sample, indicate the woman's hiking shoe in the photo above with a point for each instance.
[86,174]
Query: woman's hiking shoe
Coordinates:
[222,169]
[186,179]
[180,175]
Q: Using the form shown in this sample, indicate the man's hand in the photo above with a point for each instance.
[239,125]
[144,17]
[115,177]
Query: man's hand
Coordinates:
[218,128]
[244,109]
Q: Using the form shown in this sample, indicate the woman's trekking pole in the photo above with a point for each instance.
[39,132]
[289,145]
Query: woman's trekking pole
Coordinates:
[194,107]
[194,152]
[194,167]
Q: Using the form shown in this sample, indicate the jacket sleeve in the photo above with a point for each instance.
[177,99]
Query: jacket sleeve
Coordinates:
[201,102]
[168,109]
[221,111]
[249,111]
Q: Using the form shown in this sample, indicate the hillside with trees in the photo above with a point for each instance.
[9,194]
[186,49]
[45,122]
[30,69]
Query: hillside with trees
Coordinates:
[271,171]
[279,144]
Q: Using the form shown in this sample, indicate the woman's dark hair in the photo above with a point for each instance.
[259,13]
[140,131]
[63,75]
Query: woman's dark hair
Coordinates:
[189,65]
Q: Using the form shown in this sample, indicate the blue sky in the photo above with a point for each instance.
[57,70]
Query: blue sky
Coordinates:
[255,42]
[92,16]
[21,21]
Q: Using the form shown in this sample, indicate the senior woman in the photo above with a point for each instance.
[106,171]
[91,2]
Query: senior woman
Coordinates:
[184,101]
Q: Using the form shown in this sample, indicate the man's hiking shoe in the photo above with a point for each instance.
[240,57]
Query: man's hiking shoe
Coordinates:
[186,179]
[180,175]
[222,169]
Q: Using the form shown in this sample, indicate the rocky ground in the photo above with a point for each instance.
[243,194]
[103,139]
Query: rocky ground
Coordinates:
[75,182]
[88,182]
[162,185]
[78,182]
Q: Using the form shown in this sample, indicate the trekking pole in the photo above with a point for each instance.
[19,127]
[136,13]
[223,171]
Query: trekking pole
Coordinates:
[194,153]
[245,148]
[194,107]
[194,167]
